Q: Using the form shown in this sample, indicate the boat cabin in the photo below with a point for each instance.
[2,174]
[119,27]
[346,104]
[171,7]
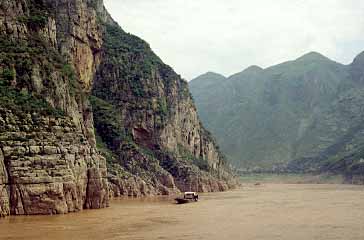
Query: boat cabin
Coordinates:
[187,198]
[190,195]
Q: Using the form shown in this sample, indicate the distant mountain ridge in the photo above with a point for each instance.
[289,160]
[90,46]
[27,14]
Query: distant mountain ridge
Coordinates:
[300,115]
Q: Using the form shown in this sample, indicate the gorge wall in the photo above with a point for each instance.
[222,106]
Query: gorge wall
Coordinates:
[68,71]
[145,117]
[49,54]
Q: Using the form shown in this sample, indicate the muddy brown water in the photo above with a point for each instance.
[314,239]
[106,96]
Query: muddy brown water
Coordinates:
[265,212]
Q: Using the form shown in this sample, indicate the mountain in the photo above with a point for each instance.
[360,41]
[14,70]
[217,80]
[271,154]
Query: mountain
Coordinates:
[289,115]
[89,112]
[206,80]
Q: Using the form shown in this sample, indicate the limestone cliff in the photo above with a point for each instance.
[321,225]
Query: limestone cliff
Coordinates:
[48,158]
[53,54]
[145,116]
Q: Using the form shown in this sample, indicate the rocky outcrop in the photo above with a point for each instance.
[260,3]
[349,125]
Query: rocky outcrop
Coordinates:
[357,179]
[123,183]
[49,166]
[49,54]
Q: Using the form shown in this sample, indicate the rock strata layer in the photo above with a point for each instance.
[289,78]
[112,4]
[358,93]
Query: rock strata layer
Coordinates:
[48,167]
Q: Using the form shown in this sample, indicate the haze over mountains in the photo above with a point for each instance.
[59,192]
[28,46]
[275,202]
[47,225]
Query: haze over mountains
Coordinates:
[301,115]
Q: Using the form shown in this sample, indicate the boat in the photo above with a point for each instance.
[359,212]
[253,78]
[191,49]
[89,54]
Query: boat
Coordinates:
[187,198]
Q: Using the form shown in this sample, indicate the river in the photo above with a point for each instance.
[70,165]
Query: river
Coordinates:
[265,212]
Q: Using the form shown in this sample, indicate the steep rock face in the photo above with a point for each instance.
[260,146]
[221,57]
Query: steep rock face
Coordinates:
[49,54]
[49,165]
[145,115]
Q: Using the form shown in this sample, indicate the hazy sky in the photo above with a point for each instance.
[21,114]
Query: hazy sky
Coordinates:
[226,36]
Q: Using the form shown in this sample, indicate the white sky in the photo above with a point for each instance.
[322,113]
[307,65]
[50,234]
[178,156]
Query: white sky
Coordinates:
[226,36]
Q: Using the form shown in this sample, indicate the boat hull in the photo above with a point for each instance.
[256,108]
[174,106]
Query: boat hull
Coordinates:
[183,200]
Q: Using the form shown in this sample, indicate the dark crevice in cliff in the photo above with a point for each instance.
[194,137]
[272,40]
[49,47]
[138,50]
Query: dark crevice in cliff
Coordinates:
[12,196]
[17,190]
[6,166]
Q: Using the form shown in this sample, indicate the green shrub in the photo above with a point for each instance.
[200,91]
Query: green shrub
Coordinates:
[162,107]
[7,75]
[132,56]
[107,122]
[69,73]
[105,151]
[38,20]
[186,155]
[38,15]
[22,101]
[93,4]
